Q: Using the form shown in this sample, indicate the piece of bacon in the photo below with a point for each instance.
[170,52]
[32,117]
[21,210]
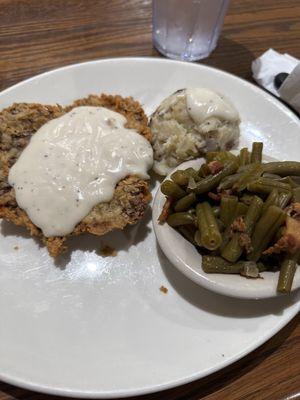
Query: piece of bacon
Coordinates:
[215,166]
[293,210]
[165,211]
[290,241]
[226,192]
[214,196]
[245,242]
[238,225]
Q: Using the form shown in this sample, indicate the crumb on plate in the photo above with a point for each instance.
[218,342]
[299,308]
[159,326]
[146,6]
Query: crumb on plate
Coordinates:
[163,289]
[16,247]
[108,251]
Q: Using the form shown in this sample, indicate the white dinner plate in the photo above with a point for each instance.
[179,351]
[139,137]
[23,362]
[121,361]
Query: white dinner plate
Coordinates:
[187,258]
[89,326]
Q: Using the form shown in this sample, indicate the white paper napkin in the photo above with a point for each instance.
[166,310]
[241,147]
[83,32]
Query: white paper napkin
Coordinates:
[271,63]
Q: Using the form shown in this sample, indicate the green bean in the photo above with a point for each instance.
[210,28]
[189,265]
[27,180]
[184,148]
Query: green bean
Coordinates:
[256,154]
[188,232]
[191,185]
[296,195]
[191,171]
[253,214]
[289,180]
[180,218]
[192,211]
[211,156]
[286,179]
[216,211]
[271,176]
[229,181]
[222,156]
[217,265]
[246,198]
[272,199]
[180,177]
[244,156]
[283,199]
[228,208]
[233,249]
[282,168]
[171,189]
[248,176]
[221,226]
[241,209]
[197,238]
[287,272]
[265,186]
[210,182]
[264,230]
[262,266]
[185,202]
[245,168]
[226,236]
[227,156]
[295,179]
[204,171]
[210,235]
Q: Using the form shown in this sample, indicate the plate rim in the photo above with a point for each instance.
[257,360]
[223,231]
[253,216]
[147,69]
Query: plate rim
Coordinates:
[46,389]
[91,394]
[243,81]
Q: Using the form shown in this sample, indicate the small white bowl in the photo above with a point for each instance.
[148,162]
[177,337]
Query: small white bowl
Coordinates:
[185,257]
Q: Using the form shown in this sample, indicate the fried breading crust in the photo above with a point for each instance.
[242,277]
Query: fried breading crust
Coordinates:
[131,197]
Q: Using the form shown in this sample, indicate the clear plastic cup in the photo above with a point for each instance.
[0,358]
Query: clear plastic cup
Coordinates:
[187,29]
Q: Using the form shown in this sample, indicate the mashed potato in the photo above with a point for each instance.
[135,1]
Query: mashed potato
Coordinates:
[189,123]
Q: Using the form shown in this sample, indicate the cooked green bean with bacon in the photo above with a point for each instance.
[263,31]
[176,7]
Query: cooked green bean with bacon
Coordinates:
[242,214]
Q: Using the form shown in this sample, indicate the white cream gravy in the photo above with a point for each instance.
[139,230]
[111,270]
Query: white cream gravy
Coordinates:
[204,103]
[73,163]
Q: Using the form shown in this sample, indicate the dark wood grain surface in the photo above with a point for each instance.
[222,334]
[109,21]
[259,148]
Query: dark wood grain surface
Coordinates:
[38,35]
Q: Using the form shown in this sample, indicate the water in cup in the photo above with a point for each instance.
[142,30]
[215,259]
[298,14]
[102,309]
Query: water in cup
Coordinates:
[187,29]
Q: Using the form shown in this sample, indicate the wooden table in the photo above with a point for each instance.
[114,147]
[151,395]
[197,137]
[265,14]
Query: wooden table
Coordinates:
[38,35]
